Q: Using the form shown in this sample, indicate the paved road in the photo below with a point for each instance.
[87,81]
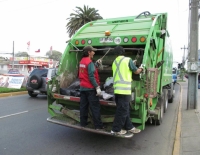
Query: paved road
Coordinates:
[25,131]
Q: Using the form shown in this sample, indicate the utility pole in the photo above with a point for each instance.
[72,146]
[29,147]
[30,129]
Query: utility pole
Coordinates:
[13,56]
[192,94]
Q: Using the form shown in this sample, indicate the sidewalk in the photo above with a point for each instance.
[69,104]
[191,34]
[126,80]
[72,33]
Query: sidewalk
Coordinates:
[190,125]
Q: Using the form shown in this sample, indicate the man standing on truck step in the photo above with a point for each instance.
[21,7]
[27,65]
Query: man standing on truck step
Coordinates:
[122,76]
[89,89]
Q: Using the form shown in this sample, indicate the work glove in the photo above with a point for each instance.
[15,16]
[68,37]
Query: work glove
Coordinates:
[141,67]
[98,90]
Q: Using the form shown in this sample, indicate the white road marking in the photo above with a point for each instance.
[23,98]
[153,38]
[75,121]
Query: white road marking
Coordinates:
[13,114]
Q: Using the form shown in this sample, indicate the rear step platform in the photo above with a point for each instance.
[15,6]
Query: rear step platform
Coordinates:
[74,124]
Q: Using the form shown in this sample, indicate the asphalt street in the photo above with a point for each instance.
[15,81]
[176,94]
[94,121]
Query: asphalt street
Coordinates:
[25,131]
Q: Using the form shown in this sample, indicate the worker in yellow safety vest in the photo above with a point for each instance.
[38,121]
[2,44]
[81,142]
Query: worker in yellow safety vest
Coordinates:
[122,68]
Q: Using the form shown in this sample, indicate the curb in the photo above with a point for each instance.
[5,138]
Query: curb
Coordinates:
[13,93]
[177,141]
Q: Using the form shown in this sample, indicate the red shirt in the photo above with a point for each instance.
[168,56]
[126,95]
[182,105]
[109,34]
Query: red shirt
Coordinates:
[83,73]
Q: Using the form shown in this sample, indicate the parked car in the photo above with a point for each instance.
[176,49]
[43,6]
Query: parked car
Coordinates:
[186,76]
[38,79]
[13,71]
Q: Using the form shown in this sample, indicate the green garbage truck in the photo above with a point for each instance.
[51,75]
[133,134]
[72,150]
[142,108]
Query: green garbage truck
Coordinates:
[145,38]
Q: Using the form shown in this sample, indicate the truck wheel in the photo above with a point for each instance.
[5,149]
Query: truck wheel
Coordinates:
[161,107]
[31,94]
[165,100]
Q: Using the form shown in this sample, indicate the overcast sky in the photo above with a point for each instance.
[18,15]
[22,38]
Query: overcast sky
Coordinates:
[42,22]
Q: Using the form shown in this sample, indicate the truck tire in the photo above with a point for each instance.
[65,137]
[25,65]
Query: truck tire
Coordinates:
[31,94]
[161,107]
[165,91]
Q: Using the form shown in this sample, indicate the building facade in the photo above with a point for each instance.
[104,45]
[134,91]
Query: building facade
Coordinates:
[25,64]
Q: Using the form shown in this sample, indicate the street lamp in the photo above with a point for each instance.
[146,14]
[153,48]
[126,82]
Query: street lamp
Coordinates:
[13,56]
[183,61]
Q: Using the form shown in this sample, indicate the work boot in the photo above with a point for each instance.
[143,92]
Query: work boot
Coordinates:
[122,132]
[134,130]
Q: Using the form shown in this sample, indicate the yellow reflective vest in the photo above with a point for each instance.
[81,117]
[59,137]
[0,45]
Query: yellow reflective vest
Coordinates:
[122,75]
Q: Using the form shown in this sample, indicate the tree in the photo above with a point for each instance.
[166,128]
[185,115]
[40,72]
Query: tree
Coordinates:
[56,55]
[81,17]
[21,54]
[2,58]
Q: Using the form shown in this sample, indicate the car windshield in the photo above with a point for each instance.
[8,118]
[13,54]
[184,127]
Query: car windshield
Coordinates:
[13,71]
[40,72]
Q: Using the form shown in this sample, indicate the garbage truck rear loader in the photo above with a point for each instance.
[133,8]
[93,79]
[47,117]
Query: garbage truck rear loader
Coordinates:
[145,38]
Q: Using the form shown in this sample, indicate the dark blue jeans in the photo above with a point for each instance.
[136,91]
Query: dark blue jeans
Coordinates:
[122,115]
[89,99]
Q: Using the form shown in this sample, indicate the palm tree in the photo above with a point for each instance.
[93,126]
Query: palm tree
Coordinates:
[81,17]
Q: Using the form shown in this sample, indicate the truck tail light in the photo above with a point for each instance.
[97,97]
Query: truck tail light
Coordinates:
[142,39]
[82,42]
[89,41]
[125,39]
[134,39]
[76,42]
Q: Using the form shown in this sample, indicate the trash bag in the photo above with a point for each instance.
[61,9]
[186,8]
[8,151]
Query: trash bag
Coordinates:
[75,85]
[72,90]
[109,89]
[75,93]
[65,91]
[108,82]
[108,86]
[105,95]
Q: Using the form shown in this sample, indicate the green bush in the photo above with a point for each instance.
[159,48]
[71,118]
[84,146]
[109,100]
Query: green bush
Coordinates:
[7,90]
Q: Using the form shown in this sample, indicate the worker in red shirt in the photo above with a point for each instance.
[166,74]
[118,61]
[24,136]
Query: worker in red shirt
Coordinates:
[89,89]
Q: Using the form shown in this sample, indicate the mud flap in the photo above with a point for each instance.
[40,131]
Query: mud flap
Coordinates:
[73,124]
